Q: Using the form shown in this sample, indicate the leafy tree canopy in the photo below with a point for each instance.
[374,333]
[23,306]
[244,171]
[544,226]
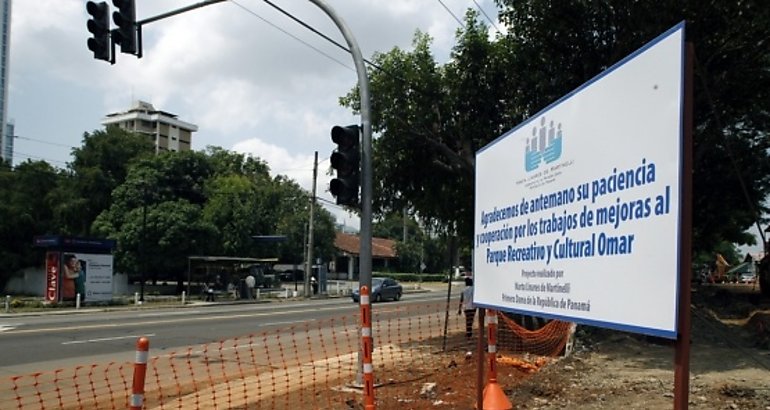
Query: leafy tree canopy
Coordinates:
[174,205]
[25,211]
[563,44]
[432,118]
[99,166]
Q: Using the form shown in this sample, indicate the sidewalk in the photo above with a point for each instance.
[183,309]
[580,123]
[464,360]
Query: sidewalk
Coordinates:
[271,295]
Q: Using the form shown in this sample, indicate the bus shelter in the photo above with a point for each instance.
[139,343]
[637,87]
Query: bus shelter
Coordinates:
[229,273]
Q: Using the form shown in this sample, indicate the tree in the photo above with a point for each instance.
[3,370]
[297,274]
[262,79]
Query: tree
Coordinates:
[232,208]
[431,119]
[391,226]
[227,162]
[156,214]
[99,166]
[293,220]
[420,247]
[174,205]
[25,212]
[563,44]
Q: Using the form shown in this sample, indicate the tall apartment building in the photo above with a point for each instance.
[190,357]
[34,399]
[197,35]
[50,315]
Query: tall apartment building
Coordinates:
[168,132]
[6,137]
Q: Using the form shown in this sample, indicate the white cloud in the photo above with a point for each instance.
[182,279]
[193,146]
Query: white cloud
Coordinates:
[248,85]
[295,166]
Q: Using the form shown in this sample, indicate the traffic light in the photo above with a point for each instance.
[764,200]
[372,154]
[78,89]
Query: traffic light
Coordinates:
[346,159]
[99,26]
[125,18]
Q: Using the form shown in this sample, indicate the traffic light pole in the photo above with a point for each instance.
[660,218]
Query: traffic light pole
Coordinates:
[365,231]
[365,252]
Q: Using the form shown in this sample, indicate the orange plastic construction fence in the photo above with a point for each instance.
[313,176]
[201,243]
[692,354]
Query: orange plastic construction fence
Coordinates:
[312,365]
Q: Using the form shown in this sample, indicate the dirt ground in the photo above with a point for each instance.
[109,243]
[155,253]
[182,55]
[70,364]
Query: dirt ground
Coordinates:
[729,367]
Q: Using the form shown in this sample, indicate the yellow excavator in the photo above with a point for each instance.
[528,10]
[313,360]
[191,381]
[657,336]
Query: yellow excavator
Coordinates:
[718,275]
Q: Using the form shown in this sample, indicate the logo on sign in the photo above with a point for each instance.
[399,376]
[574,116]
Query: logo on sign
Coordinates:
[52,277]
[544,145]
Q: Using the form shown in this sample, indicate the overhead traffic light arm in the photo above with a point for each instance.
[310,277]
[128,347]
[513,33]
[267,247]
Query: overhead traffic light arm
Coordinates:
[129,32]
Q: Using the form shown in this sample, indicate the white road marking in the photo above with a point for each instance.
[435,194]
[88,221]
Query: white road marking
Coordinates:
[282,323]
[104,339]
[160,320]
[186,312]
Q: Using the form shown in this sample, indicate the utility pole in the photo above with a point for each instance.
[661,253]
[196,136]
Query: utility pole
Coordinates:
[142,256]
[304,259]
[405,215]
[309,261]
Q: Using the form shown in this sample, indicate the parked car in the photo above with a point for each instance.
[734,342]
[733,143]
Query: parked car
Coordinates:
[382,289]
[747,277]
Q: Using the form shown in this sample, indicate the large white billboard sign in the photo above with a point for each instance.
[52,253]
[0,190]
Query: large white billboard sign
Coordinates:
[87,274]
[577,210]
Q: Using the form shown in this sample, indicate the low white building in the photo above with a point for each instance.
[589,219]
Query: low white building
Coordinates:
[166,130]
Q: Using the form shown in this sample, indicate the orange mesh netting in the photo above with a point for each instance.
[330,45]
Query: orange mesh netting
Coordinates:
[313,364]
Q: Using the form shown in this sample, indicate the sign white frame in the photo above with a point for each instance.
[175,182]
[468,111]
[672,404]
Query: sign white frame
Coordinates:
[578,209]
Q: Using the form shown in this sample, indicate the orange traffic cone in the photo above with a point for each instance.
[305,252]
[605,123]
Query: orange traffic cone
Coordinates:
[495,398]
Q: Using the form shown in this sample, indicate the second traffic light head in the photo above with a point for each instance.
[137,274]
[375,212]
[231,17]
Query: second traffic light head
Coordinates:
[125,19]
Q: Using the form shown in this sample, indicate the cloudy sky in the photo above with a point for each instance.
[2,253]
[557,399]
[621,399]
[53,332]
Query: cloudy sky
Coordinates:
[251,79]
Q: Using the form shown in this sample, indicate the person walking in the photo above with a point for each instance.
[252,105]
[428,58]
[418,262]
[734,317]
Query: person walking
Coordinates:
[314,284]
[466,306]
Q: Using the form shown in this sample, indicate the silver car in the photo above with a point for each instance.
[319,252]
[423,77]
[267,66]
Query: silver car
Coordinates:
[382,289]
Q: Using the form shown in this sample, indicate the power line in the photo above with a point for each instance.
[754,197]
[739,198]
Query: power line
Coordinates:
[329,203]
[42,141]
[291,35]
[327,38]
[322,35]
[453,15]
[486,15]
[307,26]
[34,157]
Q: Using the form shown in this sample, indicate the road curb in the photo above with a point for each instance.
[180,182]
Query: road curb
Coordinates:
[130,307]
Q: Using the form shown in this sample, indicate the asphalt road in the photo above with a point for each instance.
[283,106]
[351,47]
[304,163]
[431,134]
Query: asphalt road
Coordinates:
[43,342]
